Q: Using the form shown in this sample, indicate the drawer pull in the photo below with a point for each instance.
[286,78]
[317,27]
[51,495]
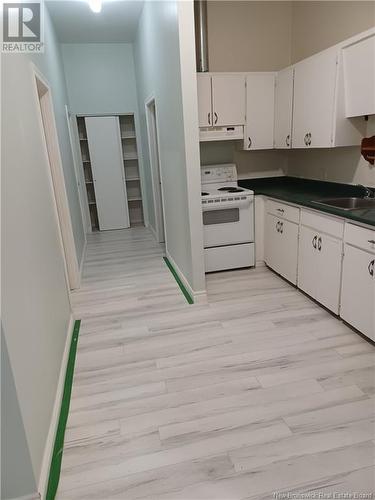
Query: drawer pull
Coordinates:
[314,241]
[319,244]
[280,210]
[371,267]
[372,242]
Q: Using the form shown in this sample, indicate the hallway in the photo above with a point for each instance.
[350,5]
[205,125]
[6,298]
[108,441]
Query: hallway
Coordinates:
[259,390]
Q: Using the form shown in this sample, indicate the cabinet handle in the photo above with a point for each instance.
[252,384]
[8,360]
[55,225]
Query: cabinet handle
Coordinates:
[309,139]
[278,226]
[372,242]
[250,143]
[287,140]
[314,241]
[216,117]
[305,139]
[371,268]
[209,118]
[281,210]
[320,244]
[281,227]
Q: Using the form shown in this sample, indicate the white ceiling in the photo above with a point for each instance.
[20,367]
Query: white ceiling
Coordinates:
[76,23]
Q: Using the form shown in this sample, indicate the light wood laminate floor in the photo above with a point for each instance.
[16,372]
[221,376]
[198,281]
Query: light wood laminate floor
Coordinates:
[258,391]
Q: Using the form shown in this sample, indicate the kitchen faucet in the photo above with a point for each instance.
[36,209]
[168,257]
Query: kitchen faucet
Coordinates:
[368,192]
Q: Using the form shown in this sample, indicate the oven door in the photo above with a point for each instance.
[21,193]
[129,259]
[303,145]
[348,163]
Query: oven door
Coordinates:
[228,223]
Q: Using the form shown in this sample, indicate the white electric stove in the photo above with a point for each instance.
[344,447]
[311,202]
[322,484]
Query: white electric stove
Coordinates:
[228,219]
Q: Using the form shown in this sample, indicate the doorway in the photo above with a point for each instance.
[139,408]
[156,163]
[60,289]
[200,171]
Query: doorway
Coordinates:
[49,132]
[157,186]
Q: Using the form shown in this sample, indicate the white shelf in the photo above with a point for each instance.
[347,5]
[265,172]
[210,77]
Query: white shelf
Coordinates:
[83,138]
[92,202]
[132,179]
[132,156]
[134,198]
[86,161]
[89,182]
[128,136]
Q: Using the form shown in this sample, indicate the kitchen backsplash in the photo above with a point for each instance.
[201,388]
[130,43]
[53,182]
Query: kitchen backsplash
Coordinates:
[336,164]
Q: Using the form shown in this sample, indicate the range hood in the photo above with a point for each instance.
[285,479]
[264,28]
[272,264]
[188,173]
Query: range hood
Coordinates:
[230,133]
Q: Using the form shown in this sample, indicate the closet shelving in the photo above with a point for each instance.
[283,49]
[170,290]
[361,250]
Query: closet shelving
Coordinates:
[131,170]
[89,181]
[132,178]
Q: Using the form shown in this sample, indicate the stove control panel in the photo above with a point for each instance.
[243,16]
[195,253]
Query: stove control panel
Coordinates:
[226,172]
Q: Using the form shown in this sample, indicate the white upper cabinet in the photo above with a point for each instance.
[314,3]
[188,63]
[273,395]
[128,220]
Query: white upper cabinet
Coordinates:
[319,119]
[314,100]
[228,99]
[260,106]
[283,109]
[359,77]
[204,100]
[221,99]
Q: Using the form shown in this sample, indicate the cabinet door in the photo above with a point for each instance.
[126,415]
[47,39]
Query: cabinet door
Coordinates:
[284,108]
[103,135]
[228,99]
[260,97]
[307,261]
[204,100]
[314,101]
[271,242]
[329,253]
[359,84]
[281,247]
[358,290]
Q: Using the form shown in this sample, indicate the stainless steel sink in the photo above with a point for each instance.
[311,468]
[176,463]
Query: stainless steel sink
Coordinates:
[348,203]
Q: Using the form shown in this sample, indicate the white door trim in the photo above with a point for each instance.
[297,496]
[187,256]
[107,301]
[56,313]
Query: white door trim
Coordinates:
[43,102]
[156,174]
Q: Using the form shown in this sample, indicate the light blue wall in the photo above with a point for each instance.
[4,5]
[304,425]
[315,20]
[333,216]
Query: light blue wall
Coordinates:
[157,62]
[17,477]
[100,77]
[35,301]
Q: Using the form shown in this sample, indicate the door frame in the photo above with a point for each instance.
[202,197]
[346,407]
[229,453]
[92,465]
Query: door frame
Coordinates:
[156,174]
[78,169]
[48,130]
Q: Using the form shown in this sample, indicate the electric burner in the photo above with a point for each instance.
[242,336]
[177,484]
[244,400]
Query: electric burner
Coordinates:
[231,189]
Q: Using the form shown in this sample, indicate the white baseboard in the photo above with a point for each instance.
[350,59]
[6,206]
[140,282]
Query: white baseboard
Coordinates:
[199,296]
[48,449]
[260,263]
[32,496]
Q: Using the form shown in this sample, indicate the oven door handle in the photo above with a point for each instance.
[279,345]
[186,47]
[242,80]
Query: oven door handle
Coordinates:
[228,204]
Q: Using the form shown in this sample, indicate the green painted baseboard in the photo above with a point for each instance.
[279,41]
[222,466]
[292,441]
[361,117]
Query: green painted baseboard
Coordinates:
[54,472]
[187,295]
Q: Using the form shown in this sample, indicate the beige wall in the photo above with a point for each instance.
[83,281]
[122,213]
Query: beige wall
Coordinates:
[249,36]
[318,25]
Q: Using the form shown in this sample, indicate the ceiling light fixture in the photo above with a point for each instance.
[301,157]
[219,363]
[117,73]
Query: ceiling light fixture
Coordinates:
[95,5]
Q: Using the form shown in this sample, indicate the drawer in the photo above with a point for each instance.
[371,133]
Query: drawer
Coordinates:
[360,237]
[323,223]
[283,211]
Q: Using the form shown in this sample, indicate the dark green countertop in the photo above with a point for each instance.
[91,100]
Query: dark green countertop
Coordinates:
[305,192]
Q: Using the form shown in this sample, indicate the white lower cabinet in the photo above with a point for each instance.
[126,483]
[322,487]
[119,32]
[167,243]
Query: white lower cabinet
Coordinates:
[358,281]
[281,246]
[319,267]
